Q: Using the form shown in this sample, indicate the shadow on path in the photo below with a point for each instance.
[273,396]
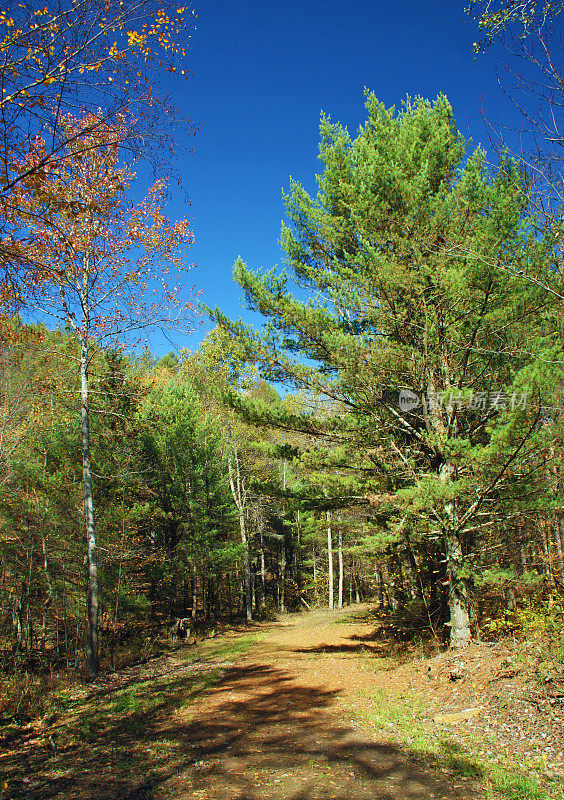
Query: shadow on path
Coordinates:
[259,732]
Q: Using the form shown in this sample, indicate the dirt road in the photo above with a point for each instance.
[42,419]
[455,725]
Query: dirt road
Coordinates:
[278,722]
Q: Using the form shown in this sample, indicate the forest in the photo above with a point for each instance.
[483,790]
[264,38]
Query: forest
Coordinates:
[393,433]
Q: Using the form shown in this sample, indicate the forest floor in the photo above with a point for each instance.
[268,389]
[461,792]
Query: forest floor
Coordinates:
[313,706]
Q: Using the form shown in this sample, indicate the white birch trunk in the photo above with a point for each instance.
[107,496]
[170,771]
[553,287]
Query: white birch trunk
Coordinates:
[315,589]
[330,560]
[235,483]
[92,591]
[341,571]
[559,538]
[262,571]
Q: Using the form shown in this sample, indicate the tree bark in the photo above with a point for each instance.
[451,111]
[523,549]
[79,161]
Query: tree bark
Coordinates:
[315,587]
[545,547]
[51,595]
[282,575]
[330,560]
[458,583]
[262,570]
[340,555]
[194,592]
[235,482]
[298,553]
[19,628]
[379,587]
[558,539]
[92,590]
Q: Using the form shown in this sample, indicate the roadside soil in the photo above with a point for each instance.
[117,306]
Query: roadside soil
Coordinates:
[282,720]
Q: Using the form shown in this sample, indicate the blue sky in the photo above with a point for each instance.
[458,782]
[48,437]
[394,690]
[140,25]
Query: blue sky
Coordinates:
[261,74]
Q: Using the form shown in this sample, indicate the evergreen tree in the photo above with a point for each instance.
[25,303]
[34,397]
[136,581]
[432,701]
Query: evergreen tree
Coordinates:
[189,518]
[410,322]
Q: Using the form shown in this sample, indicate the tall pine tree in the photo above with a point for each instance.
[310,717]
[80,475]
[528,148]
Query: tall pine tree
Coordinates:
[402,310]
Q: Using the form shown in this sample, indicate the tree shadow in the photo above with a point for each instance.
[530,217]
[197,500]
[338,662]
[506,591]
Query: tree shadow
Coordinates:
[253,732]
[356,643]
[335,648]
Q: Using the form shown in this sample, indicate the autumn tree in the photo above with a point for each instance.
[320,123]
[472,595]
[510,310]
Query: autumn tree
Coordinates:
[500,18]
[76,54]
[89,55]
[101,269]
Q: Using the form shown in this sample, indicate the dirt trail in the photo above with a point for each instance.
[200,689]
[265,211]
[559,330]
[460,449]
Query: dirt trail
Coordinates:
[275,723]
[276,726]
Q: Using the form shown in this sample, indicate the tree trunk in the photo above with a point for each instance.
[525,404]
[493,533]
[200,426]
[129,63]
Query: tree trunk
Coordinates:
[235,482]
[51,595]
[558,539]
[330,560]
[19,628]
[315,587]
[262,571]
[229,597]
[298,553]
[247,570]
[341,566]
[379,587]
[558,522]
[458,584]
[545,547]
[415,588]
[92,591]
[509,597]
[523,556]
[282,575]
[194,592]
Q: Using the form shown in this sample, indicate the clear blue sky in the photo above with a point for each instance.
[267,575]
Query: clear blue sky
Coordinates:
[262,73]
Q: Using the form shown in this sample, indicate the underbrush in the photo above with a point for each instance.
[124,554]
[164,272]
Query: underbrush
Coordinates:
[525,610]
[25,696]
[32,693]
[537,618]
[535,630]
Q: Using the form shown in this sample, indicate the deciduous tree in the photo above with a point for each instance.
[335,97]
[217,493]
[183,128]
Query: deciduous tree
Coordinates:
[81,54]
[101,268]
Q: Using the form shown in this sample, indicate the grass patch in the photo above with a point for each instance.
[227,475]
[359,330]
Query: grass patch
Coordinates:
[229,648]
[125,713]
[514,786]
[364,615]
[406,718]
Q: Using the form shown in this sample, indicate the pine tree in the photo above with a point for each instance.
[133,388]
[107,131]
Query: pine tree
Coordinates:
[410,322]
